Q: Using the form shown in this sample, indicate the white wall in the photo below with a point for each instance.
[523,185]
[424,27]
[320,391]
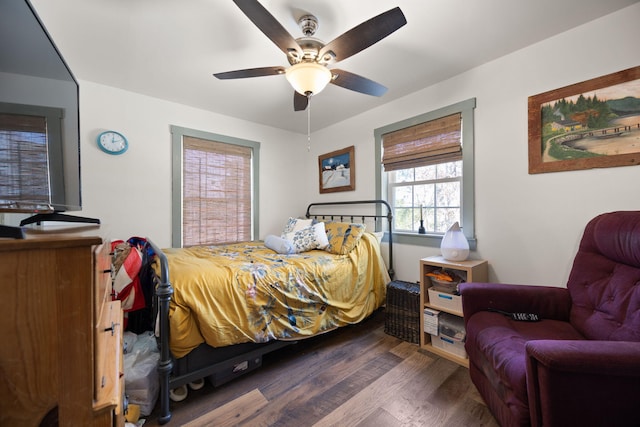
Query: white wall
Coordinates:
[131,193]
[138,183]
[527,226]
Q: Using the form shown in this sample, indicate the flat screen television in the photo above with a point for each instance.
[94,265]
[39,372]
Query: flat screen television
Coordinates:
[39,121]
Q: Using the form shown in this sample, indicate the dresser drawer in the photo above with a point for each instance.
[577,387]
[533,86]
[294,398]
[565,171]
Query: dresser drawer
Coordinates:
[102,277]
[108,339]
[109,369]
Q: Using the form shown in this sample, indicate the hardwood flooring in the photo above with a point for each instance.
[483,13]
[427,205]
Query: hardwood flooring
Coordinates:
[355,376]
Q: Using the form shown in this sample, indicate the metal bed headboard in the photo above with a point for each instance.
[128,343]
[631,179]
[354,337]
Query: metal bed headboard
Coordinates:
[351,216]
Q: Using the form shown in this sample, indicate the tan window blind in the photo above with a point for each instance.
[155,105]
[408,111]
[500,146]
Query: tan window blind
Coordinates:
[427,143]
[216,192]
[24,171]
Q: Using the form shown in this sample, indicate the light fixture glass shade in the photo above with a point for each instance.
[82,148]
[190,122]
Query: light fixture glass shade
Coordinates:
[454,246]
[308,77]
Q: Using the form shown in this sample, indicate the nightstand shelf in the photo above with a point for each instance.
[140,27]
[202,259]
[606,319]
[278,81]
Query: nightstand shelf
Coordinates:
[468,271]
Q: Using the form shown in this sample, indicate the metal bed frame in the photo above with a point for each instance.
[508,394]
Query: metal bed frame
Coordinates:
[225,363]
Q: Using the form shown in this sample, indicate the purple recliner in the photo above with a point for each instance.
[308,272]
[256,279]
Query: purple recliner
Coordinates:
[580,364]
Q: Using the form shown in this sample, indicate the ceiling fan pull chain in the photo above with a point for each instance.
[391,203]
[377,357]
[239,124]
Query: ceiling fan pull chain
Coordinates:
[309,123]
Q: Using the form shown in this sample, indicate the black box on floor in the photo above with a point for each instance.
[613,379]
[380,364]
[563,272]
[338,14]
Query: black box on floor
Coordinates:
[403,311]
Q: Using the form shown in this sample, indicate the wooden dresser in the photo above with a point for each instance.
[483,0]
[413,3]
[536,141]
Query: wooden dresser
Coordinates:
[61,353]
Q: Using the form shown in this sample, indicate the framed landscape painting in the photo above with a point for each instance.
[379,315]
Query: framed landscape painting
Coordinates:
[337,171]
[592,124]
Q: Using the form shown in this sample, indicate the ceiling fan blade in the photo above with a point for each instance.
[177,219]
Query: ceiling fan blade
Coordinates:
[262,19]
[364,35]
[300,102]
[357,83]
[250,72]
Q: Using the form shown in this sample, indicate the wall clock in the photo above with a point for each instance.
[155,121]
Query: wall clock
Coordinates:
[112,142]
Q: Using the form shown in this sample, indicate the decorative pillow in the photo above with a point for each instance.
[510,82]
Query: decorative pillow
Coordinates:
[343,236]
[295,224]
[321,235]
[308,238]
[278,244]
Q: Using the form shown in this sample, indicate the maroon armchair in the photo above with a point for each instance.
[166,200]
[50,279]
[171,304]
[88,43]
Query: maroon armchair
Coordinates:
[579,365]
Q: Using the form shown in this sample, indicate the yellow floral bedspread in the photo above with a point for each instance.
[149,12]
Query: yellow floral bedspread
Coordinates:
[245,292]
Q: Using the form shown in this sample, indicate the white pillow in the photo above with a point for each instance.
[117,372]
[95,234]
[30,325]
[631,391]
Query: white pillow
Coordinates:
[321,235]
[379,235]
[295,224]
[309,238]
[278,244]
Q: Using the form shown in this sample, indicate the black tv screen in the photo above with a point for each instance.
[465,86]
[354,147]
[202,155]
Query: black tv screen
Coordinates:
[39,117]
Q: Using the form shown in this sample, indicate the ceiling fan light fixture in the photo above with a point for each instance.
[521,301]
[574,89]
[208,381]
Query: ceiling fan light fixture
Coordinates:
[308,77]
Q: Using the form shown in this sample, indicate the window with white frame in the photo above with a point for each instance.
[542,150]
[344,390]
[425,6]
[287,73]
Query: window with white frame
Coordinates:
[426,196]
[425,172]
[214,188]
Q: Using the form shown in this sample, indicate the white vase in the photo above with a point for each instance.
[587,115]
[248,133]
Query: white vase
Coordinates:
[454,246]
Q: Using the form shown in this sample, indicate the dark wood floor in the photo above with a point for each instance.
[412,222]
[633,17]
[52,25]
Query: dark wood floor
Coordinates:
[356,376]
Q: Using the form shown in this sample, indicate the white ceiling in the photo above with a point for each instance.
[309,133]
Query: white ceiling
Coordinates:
[169,49]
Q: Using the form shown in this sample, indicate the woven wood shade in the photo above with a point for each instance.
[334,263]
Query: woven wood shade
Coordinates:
[427,143]
[24,169]
[216,192]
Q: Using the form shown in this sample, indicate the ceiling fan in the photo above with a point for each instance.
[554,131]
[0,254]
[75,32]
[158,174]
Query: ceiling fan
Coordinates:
[310,57]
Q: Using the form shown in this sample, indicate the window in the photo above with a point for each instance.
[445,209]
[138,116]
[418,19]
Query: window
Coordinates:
[427,196]
[425,172]
[26,133]
[214,188]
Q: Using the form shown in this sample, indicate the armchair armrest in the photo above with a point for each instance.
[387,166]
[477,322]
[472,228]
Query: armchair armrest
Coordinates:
[583,382]
[545,301]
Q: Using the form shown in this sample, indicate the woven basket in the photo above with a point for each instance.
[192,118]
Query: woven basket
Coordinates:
[402,318]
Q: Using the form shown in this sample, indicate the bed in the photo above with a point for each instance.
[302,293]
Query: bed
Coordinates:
[219,309]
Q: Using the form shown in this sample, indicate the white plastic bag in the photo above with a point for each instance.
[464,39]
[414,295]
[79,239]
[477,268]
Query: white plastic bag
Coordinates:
[141,381]
[129,340]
